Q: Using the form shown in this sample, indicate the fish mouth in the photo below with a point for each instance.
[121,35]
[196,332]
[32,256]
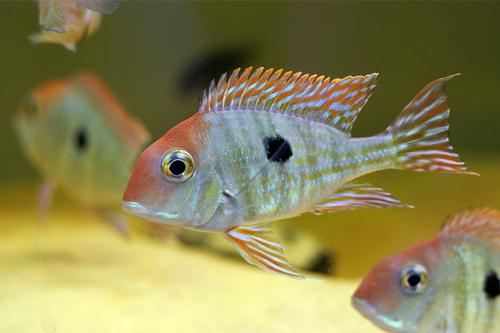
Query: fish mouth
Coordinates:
[369,312]
[135,208]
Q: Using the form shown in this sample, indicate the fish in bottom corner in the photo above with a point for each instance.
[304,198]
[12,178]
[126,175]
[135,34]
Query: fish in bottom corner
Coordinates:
[81,139]
[268,145]
[449,284]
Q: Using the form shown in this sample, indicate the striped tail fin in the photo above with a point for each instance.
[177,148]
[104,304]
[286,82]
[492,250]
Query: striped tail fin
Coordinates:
[421,133]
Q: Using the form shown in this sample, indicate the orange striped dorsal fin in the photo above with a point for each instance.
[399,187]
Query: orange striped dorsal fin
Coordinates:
[336,102]
[483,224]
[132,132]
[257,245]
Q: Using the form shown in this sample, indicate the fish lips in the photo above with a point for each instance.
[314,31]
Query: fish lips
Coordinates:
[135,208]
[370,312]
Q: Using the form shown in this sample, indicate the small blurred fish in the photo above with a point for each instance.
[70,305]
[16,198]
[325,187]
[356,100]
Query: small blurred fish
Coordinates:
[198,72]
[68,22]
[80,138]
[449,284]
[268,145]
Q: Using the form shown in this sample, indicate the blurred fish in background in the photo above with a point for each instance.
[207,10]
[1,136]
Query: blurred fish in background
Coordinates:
[82,140]
[68,22]
[447,284]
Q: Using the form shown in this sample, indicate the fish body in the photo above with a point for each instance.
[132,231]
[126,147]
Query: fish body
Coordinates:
[80,138]
[268,145]
[68,22]
[459,293]
[288,189]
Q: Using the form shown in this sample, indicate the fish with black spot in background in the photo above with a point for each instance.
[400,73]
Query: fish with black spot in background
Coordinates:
[268,145]
[449,284]
[68,22]
[81,139]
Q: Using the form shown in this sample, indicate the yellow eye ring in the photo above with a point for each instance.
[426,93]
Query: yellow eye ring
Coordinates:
[414,279]
[178,165]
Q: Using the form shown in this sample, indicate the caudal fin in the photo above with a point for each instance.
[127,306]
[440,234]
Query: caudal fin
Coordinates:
[421,133]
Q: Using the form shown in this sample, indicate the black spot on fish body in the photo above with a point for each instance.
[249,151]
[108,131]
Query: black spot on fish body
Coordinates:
[81,139]
[491,285]
[278,149]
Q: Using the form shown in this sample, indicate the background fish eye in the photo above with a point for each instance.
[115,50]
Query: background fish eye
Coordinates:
[413,279]
[178,165]
[30,107]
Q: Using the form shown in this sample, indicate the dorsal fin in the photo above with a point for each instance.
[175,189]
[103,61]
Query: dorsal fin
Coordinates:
[336,102]
[482,224]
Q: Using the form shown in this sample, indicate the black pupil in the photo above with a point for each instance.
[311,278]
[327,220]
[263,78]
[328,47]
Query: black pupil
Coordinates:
[414,279]
[177,167]
[81,139]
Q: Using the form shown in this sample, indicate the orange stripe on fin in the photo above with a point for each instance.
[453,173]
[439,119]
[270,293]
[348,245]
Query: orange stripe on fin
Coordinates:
[257,245]
[420,133]
[482,224]
[351,196]
[336,102]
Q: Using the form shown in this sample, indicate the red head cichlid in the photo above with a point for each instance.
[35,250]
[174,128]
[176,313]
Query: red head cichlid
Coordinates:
[81,139]
[449,284]
[68,22]
[268,145]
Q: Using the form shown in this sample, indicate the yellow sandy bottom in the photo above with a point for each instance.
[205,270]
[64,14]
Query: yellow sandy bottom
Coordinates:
[81,277]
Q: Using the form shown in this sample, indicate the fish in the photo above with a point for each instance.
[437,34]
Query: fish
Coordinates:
[81,139]
[267,145]
[68,22]
[449,284]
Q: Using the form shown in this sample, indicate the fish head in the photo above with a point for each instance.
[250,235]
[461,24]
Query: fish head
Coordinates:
[174,180]
[396,295]
[41,100]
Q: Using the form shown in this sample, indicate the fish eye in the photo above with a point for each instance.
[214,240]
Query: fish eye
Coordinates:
[178,165]
[30,107]
[413,279]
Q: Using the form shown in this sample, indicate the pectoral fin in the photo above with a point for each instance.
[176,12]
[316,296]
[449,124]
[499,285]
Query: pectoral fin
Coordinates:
[352,196]
[257,245]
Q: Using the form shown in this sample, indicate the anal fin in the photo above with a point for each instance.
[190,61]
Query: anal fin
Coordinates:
[257,245]
[351,196]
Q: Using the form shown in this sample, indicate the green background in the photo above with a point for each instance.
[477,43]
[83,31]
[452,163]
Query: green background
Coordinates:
[141,49]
